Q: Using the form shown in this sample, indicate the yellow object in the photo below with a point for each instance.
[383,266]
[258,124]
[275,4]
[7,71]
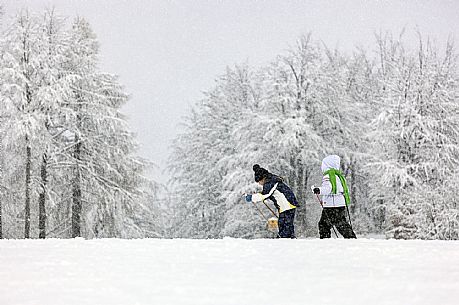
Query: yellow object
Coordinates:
[272,223]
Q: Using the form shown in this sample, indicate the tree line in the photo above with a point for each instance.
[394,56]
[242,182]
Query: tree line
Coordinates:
[392,114]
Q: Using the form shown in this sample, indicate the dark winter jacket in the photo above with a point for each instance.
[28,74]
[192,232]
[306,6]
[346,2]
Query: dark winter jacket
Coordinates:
[278,192]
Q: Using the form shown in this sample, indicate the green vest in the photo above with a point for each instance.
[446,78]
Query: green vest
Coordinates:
[332,173]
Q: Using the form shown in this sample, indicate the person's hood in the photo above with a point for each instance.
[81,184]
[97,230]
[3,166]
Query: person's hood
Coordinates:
[329,162]
[276,179]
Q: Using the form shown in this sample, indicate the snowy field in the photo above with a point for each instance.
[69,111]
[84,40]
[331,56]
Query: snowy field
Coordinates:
[228,271]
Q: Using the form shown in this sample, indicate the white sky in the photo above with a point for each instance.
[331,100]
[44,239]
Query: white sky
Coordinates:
[168,52]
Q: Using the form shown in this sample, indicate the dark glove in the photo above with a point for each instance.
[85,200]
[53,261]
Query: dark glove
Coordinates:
[316,190]
[248,198]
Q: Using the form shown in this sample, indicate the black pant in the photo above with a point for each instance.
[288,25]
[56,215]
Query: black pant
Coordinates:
[335,217]
[286,227]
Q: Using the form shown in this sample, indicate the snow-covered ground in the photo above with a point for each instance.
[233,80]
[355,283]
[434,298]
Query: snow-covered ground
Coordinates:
[228,271]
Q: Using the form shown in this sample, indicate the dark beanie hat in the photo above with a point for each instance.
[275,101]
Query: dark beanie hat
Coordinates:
[260,172]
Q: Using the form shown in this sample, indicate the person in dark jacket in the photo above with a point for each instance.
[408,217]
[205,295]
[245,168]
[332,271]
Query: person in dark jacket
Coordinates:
[275,189]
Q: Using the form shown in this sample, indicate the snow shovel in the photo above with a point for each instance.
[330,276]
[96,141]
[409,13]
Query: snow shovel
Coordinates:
[272,224]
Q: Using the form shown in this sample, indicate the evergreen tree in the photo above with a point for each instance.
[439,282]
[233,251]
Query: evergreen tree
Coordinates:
[69,142]
[20,62]
[105,175]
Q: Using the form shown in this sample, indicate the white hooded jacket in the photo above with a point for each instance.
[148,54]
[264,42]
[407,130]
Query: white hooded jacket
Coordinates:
[329,199]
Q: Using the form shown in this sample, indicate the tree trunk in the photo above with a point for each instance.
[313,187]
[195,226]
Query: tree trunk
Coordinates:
[353,185]
[1,228]
[76,197]
[42,198]
[2,156]
[27,189]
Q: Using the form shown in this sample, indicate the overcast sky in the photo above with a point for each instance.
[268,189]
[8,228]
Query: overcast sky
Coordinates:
[168,52]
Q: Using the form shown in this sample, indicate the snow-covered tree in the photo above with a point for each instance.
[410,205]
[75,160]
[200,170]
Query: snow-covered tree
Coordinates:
[353,88]
[98,146]
[20,78]
[417,136]
[2,155]
[53,90]
[69,147]
[203,167]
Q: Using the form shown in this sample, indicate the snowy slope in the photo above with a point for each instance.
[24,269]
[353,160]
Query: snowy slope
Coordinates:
[228,271]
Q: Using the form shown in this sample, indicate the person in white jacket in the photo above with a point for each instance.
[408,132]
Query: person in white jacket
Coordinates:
[335,198]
